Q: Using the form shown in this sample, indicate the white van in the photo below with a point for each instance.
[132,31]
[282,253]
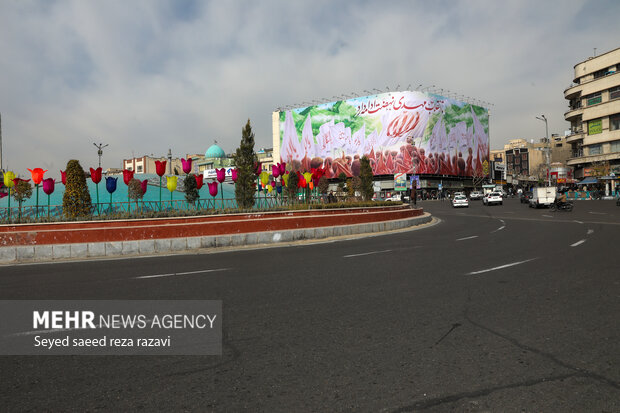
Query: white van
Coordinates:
[543,196]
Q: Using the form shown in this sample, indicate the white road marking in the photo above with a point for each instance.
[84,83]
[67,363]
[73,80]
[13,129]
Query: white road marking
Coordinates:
[590,231]
[597,213]
[500,267]
[180,273]
[578,243]
[548,216]
[365,253]
[463,239]
[498,229]
[579,222]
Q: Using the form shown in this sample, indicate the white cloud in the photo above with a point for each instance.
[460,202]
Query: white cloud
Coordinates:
[146,76]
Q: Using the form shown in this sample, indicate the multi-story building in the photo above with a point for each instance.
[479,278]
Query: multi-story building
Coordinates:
[146,164]
[594,115]
[529,162]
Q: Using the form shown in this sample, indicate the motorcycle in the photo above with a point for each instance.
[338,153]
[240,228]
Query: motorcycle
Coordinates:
[561,206]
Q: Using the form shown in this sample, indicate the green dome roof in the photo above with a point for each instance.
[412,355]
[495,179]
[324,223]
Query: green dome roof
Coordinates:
[215,152]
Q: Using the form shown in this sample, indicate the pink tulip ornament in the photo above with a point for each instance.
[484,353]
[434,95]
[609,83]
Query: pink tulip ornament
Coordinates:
[187,165]
[48,188]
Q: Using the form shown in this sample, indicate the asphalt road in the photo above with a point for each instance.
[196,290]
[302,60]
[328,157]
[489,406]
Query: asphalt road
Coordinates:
[500,309]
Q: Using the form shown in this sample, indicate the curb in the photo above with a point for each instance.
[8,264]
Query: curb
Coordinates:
[55,252]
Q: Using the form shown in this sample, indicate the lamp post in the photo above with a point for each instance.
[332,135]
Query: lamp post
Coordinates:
[100,150]
[544,119]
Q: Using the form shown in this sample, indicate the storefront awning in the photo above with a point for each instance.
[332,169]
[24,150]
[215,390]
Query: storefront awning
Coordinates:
[588,180]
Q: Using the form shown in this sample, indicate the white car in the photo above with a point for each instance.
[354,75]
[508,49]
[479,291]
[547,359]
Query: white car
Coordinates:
[493,198]
[475,195]
[460,201]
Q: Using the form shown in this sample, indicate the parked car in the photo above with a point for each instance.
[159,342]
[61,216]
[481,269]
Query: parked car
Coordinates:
[493,198]
[475,195]
[460,201]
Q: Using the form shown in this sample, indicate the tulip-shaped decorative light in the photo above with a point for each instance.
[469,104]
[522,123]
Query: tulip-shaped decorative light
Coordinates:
[213,191]
[8,182]
[110,186]
[127,176]
[275,170]
[187,165]
[171,183]
[160,169]
[233,174]
[221,177]
[95,175]
[37,177]
[63,177]
[282,168]
[144,185]
[48,188]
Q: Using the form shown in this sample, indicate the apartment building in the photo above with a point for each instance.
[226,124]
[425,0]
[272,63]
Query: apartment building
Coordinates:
[594,116]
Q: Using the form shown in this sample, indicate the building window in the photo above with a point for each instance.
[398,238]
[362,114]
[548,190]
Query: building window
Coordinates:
[614,93]
[614,122]
[615,146]
[595,127]
[600,73]
[596,149]
[594,98]
[139,168]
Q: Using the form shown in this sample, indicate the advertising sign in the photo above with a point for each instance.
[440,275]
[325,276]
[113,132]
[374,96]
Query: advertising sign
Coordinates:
[400,132]
[400,181]
[595,127]
[212,174]
[415,180]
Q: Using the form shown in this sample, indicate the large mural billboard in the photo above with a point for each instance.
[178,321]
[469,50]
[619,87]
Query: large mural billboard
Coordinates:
[400,132]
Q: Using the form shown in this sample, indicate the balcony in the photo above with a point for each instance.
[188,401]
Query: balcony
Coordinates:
[575,135]
[573,113]
[573,91]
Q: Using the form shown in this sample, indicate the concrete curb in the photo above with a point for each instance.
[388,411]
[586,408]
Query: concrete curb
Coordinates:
[45,253]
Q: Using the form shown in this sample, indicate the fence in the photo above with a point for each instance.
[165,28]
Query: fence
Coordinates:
[55,212]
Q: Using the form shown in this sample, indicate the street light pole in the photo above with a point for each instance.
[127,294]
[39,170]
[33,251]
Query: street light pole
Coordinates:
[547,144]
[100,151]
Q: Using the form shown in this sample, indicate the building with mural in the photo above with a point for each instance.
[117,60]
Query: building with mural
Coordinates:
[440,139]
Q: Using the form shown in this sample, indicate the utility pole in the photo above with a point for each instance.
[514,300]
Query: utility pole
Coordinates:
[100,151]
[547,144]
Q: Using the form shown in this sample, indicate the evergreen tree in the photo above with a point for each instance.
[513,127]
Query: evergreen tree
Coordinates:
[323,185]
[244,162]
[342,178]
[191,189]
[76,199]
[134,191]
[366,189]
[21,192]
[291,188]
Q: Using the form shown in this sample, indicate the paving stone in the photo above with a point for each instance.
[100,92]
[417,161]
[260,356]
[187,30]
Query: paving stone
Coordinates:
[61,251]
[146,246]
[7,254]
[162,245]
[79,250]
[96,249]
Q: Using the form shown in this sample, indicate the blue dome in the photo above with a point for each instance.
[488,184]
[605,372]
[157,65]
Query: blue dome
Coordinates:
[215,152]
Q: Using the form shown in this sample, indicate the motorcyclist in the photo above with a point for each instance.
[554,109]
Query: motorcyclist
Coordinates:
[561,199]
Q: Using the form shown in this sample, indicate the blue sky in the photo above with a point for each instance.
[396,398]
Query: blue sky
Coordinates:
[144,75]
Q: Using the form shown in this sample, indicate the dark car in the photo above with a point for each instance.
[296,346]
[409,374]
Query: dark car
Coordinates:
[525,197]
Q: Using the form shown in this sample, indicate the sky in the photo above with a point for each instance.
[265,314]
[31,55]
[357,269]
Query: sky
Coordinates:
[145,76]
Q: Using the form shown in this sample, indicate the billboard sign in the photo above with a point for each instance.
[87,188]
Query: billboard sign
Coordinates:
[400,132]
[400,181]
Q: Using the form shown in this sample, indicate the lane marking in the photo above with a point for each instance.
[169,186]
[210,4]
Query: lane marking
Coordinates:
[578,243]
[590,231]
[365,253]
[579,222]
[597,213]
[501,267]
[179,273]
[548,216]
[498,229]
[463,239]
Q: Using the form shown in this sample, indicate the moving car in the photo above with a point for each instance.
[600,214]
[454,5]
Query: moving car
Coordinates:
[475,195]
[492,198]
[460,201]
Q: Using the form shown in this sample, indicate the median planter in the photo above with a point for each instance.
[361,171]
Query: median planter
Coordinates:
[130,237]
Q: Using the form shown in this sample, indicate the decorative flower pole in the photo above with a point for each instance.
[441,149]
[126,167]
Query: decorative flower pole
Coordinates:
[199,184]
[258,167]
[275,171]
[9,183]
[308,178]
[95,175]
[171,184]
[110,186]
[144,184]
[160,169]
[128,176]
[264,180]
[48,188]
[187,165]
[213,191]
[37,177]
[221,177]
[63,177]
